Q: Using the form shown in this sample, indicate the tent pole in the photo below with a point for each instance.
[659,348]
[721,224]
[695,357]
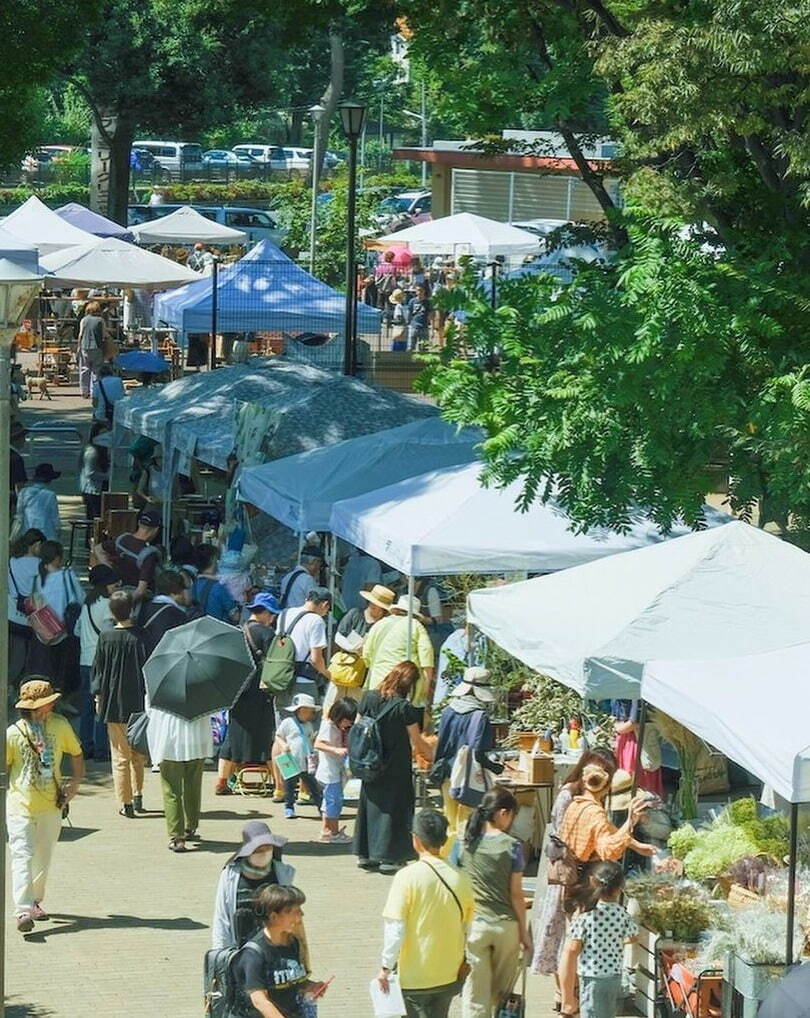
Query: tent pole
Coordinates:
[331,559]
[642,725]
[411,587]
[214,295]
[791,901]
[300,546]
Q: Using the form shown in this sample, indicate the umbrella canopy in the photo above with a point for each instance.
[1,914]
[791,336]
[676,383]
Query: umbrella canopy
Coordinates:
[464,234]
[114,262]
[186,226]
[197,668]
[790,998]
[35,224]
[85,219]
[140,360]
[724,592]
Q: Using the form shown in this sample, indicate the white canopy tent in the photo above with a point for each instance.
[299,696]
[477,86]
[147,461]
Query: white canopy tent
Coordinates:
[754,709]
[464,234]
[300,490]
[728,591]
[186,226]
[447,522]
[113,262]
[35,224]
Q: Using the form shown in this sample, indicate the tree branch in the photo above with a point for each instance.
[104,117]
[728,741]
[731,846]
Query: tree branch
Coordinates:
[607,19]
[594,181]
[97,115]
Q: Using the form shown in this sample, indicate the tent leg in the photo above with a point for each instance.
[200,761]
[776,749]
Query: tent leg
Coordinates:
[411,587]
[300,546]
[642,725]
[332,560]
[791,901]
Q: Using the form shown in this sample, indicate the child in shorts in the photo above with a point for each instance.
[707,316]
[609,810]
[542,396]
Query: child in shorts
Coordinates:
[331,770]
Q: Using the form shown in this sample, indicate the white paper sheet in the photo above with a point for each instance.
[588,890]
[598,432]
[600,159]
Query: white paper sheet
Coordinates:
[387,1005]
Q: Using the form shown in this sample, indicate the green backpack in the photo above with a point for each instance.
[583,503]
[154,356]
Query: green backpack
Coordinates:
[278,670]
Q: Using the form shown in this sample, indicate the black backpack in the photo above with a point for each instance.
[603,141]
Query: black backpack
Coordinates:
[366,759]
[220,987]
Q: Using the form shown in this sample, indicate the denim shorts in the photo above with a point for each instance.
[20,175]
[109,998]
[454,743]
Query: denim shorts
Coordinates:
[599,996]
[332,800]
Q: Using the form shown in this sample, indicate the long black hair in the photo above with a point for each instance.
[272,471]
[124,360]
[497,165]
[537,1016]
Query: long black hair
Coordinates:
[602,880]
[493,802]
[49,552]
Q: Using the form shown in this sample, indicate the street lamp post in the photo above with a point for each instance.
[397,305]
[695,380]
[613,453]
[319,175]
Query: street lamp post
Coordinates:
[316,112]
[353,117]
[20,279]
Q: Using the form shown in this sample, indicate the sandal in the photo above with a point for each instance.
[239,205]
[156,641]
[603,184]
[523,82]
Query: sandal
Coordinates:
[177,845]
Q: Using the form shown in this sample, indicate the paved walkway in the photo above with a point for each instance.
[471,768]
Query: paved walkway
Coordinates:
[130,921]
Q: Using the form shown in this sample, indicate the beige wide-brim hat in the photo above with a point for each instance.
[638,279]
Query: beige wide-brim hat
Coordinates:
[621,791]
[383,597]
[476,683]
[415,606]
[36,693]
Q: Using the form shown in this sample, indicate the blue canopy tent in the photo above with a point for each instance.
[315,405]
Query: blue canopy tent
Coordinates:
[85,219]
[263,292]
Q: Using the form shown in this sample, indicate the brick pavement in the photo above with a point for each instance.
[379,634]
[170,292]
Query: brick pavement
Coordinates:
[131,921]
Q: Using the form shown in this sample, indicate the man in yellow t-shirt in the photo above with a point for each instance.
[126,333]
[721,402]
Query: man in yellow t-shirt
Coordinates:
[387,645]
[429,907]
[35,746]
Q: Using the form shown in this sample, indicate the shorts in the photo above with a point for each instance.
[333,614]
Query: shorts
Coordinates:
[332,800]
[599,996]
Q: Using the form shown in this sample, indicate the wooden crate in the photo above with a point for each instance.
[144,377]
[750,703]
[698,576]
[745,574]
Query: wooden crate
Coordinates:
[121,521]
[539,769]
[114,500]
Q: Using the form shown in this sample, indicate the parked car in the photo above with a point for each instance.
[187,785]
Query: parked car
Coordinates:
[141,160]
[331,160]
[173,158]
[258,224]
[241,163]
[277,157]
[43,158]
[399,211]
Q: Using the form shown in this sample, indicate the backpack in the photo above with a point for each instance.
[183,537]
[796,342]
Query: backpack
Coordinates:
[469,779]
[365,746]
[220,988]
[121,552]
[278,670]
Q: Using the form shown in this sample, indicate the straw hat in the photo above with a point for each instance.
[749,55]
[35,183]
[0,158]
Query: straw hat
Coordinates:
[397,297]
[621,790]
[403,605]
[595,778]
[476,683]
[36,693]
[379,595]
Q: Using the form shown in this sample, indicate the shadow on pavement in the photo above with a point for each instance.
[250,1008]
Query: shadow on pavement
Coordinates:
[26,1010]
[76,833]
[77,924]
[227,814]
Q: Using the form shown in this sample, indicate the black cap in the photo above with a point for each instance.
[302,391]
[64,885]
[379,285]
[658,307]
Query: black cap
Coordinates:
[312,551]
[149,518]
[103,575]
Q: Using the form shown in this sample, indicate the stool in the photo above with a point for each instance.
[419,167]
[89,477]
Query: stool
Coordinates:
[87,526]
[255,779]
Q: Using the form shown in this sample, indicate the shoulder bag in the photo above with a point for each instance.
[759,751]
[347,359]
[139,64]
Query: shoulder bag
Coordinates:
[48,627]
[564,867]
[464,967]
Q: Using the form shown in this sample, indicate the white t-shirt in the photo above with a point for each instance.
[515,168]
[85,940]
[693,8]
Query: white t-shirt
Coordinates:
[88,637]
[300,737]
[299,588]
[113,389]
[309,632]
[330,768]
[24,571]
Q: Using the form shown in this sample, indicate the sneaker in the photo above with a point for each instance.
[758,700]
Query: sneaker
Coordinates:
[137,803]
[25,923]
[304,799]
[391,867]
[190,835]
[38,913]
[155,768]
[127,811]
[341,838]
[177,845]
[222,788]
[278,795]
[325,837]
[367,864]
[289,813]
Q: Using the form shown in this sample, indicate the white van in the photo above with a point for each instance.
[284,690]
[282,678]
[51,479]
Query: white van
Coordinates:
[278,157]
[174,158]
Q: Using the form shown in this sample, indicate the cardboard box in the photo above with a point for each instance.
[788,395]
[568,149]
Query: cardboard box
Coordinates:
[537,769]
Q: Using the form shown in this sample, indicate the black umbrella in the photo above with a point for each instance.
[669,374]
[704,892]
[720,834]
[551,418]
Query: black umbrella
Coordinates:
[197,668]
[790,998]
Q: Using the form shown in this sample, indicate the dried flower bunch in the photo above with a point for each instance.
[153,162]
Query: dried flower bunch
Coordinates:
[675,908]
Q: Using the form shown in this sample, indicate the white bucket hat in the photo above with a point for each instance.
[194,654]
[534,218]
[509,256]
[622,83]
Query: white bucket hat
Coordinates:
[415,605]
[476,683]
[302,700]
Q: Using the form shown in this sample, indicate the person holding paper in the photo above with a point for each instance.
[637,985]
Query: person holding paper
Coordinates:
[353,629]
[429,908]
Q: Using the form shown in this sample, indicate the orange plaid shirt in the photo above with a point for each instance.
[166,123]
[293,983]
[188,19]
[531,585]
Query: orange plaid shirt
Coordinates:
[589,834]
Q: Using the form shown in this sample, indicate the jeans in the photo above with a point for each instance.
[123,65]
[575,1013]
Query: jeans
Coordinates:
[92,732]
[417,334]
[433,1003]
[181,785]
[599,996]
[31,841]
[291,788]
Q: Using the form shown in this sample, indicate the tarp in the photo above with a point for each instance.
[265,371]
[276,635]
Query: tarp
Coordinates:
[724,592]
[186,226]
[463,233]
[447,522]
[35,224]
[264,291]
[301,490]
[340,409]
[754,709]
[92,222]
[113,262]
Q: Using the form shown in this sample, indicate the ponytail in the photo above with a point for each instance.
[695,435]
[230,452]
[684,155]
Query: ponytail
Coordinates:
[603,879]
[49,552]
[493,802]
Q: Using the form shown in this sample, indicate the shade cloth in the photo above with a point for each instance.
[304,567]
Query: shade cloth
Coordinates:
[447,522]
[754,709]
[728,591]
[114,262]
[463,233]
[300,490]
[92,222]
[35,224]
[264,291]
[186,226]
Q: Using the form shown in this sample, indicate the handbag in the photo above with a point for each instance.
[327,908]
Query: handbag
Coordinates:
[347,669]
[465,967]
[564,868]
[48,627]
[137,727]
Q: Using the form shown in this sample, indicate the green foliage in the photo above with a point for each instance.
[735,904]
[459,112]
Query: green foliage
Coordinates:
[677,909]
[73,168]
[682,841]
[53,195]
[640,382]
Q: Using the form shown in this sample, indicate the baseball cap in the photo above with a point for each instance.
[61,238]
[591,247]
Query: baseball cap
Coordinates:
[265,602]
[150,518]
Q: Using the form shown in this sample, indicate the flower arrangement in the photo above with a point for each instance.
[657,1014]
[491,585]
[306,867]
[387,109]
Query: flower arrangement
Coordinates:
[756,935]
[550,705]
[677,908]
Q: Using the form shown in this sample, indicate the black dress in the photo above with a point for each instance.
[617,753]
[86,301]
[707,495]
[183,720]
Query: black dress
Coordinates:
[382,831]
[251,721]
